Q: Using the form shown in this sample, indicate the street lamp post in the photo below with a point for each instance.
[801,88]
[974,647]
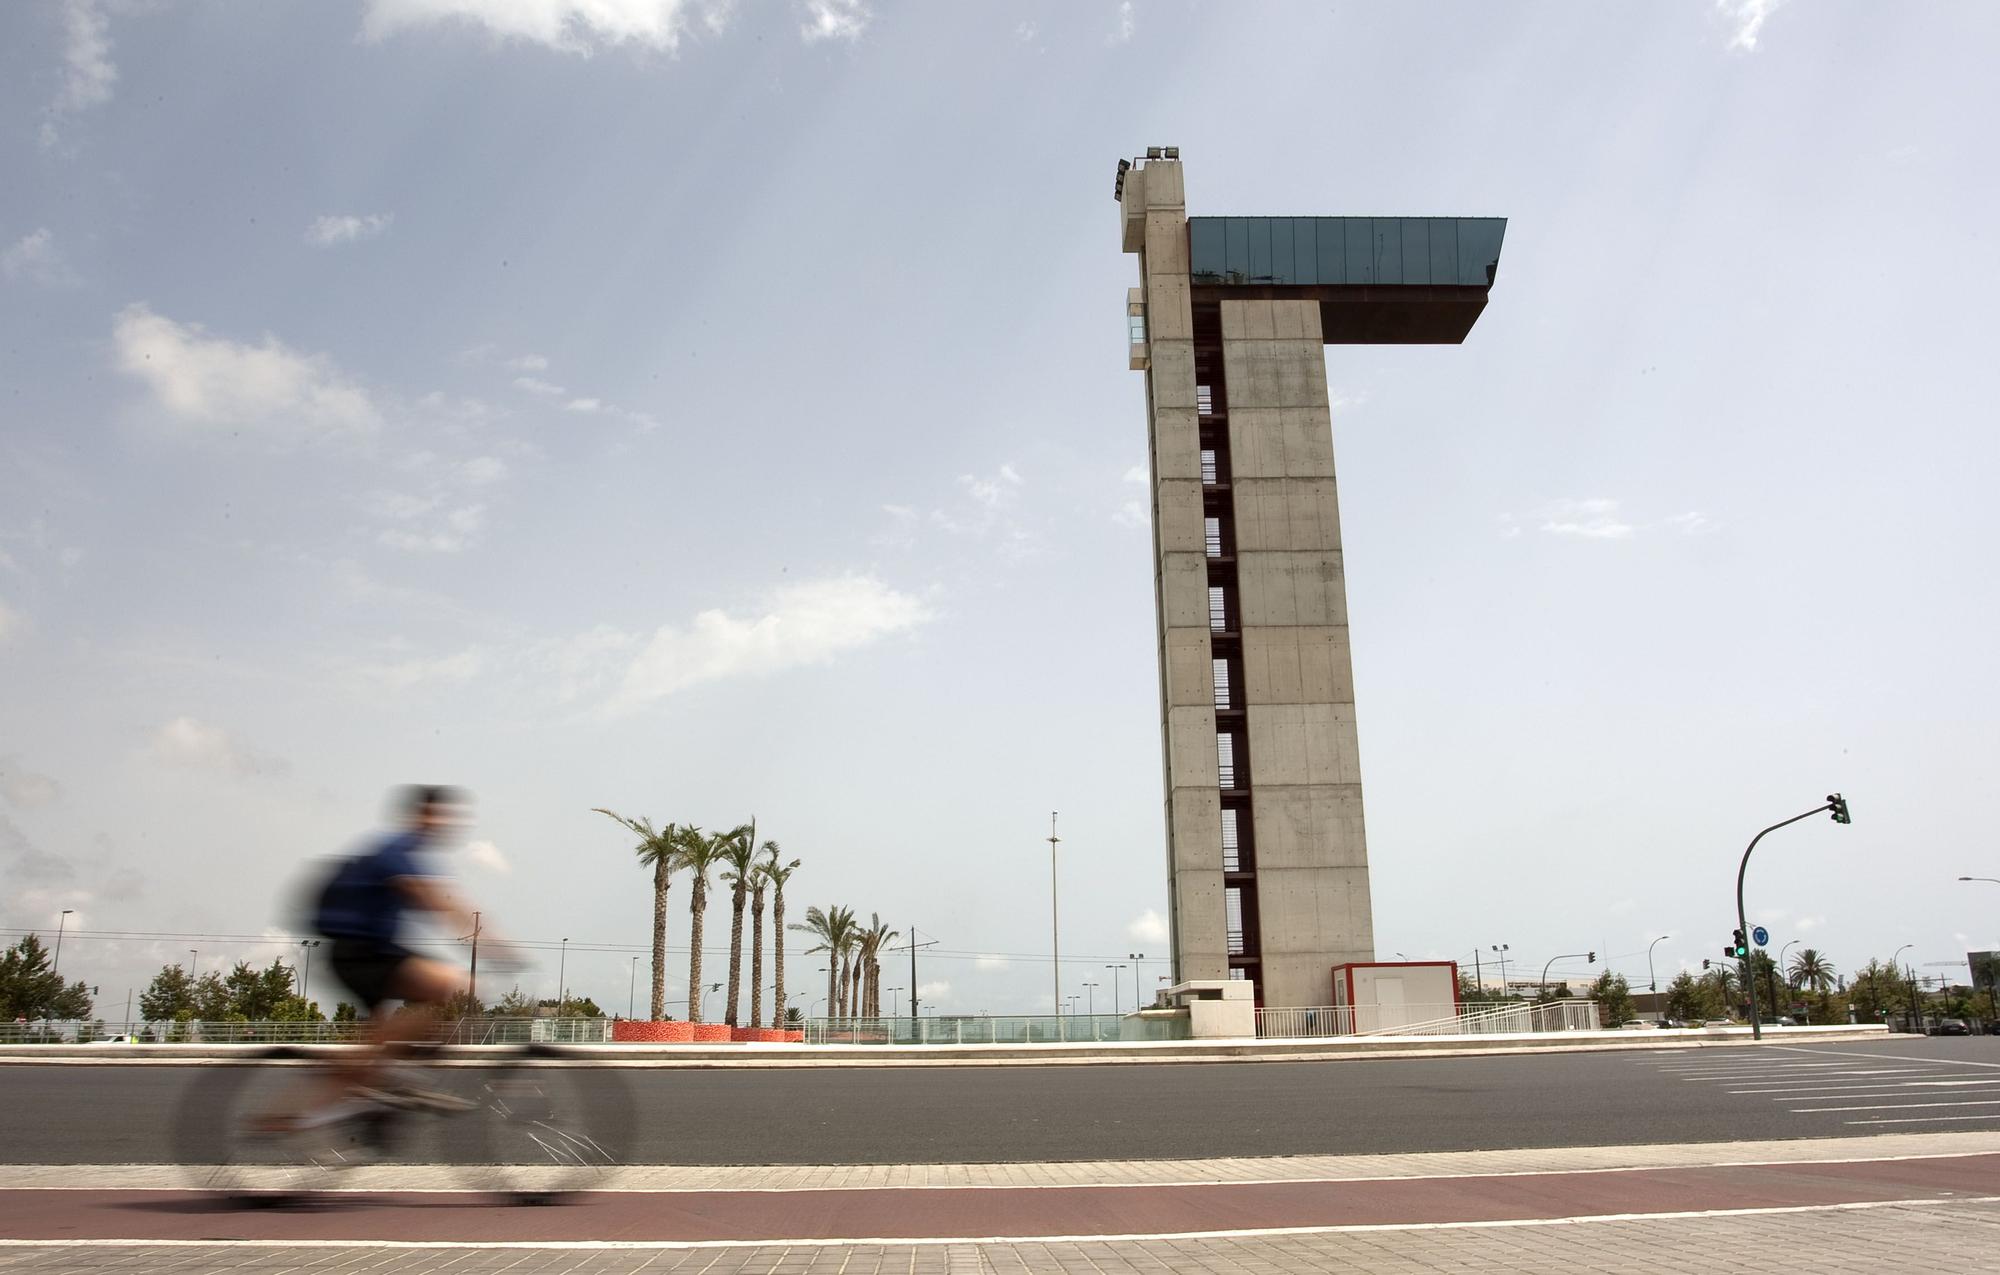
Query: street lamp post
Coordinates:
[1789,945]
[194,963]
[1893,958]
[1135,958]
[562,992]
[632,990]
[1055,919]
[895,1002]
[1502,949]
[1090,999]
[1114,987]
[1589,958]
[61,922]
[1652,983]
[305,978]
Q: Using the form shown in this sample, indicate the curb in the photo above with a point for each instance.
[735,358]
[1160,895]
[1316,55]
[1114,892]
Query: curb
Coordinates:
[762,1055]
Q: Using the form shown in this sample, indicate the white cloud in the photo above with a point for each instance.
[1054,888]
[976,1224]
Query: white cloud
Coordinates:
[1149,927]
[35,257]
[834,20]
[213,383]
[991,963]
[528,363]
[25,788]
[1128,23]
[1692,523]
[934,993]
[1133,511]
[193,744]
[800,625]
[1138,475]
[1595,519]
[567,26]
[454,532]
[583,404]
[1026,32]
[1805,923]
[484,854]
[451,670]
[1747,19]
[482,470]
[536,385]
[346,228]
[88,72]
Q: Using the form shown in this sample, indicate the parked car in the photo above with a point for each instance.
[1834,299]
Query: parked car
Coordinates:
[1952,1027]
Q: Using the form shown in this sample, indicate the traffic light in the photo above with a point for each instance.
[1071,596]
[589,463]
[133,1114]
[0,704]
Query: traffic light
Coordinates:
[1737,948]
[1590,959]
[1704,962]
[1839,804]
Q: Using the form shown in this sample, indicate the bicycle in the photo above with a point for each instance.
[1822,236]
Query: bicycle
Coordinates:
[516,1121]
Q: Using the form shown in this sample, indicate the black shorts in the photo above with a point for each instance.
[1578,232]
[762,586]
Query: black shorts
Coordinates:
[368,968]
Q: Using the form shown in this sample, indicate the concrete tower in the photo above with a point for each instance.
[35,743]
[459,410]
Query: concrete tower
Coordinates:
[1266,848]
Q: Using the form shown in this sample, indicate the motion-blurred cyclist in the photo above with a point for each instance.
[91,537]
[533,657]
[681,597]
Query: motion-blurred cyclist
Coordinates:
[362,912]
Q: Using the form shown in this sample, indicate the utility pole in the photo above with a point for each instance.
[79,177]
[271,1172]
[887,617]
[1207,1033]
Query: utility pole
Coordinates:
[562,991]
[61,922]
[473,985]
[913,945]
[1055,918]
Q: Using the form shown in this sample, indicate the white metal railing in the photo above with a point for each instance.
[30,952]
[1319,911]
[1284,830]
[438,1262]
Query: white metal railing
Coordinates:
[1030,1029]
[469,1031]
[1427,1020]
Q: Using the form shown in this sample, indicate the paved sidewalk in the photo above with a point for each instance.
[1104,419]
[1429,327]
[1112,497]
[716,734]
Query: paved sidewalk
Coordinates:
[1914,1238]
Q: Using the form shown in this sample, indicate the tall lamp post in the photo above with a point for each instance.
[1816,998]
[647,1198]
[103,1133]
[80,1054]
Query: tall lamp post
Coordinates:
[1992,974]
[1114,986]
[1090,999]
[1501,949]
[632,990]
[1137,999]
[1789,945]
[895,1002]
[1055,920]
[1893,958]
[61,922]
[305,979]
[1652,983]
[562,992]
[194,963]
[1835,803]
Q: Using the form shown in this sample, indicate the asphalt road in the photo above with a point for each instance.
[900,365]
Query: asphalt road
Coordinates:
[122,1114]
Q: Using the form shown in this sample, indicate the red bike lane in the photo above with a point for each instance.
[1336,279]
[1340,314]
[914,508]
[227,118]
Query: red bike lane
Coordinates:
[669,1217]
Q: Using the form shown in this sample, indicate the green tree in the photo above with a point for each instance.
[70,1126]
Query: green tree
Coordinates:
[777,873]
[574,1007]
[833,928]
[700,852]
[30,989]
[1722,984]
[1875,990]
[1810,971]
[345,1013]
[737,854]
[1614,999]
[659,852]
[1687,999]
[514,1004]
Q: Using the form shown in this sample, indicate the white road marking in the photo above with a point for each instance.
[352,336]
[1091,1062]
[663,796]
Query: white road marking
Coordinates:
[1907,1106]
[932,1242]
[1920,1119]
[1849,1053]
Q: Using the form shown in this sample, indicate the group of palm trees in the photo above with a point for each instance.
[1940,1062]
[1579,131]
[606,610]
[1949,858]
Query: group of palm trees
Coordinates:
[748,869]
[853,959]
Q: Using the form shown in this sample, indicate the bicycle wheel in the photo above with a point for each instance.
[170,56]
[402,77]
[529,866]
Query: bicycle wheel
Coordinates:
[552,1127]
[275,1128]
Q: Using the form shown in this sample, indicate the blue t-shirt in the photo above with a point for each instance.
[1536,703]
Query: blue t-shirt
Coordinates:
[361,900]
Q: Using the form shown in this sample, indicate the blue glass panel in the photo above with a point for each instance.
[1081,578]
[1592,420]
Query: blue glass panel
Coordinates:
[1281,249]
[1259,230]
[1444,250]
[1360,250]
[1205,255]
[1416,250]
[1305,256]
[1332,250]
[1236,248]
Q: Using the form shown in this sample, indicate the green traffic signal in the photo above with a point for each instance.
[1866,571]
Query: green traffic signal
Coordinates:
[1838,804]
[1738,948]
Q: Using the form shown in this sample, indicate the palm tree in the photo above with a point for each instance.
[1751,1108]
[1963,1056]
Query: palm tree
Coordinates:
[871,942]
[738,853]
[1813,972]
[850,969]
[777,874]
[660,851]
[698,853]
[834,928]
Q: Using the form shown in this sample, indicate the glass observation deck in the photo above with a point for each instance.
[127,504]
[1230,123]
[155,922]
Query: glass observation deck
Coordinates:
[1462,252]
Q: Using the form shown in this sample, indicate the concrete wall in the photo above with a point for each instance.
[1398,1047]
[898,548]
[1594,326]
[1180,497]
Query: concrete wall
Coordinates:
[1313,903]
[1154,223]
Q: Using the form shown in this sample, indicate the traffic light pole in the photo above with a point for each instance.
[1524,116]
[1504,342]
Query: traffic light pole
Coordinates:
[1835,803]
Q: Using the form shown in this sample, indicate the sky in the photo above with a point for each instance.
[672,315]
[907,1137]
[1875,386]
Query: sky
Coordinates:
[707,410]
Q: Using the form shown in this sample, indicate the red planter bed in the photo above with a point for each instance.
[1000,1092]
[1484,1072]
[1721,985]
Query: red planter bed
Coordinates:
[711,1033]
[652,1033]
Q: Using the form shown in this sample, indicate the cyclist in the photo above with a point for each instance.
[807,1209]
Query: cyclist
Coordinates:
[362,912]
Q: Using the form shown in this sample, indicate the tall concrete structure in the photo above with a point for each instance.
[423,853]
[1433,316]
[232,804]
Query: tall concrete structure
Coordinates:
[1267,853]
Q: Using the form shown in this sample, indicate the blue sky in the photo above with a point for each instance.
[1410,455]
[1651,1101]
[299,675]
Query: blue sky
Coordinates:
[714,409]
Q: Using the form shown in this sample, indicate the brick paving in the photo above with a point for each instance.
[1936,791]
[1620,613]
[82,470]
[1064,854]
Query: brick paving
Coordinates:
[1907,1238]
